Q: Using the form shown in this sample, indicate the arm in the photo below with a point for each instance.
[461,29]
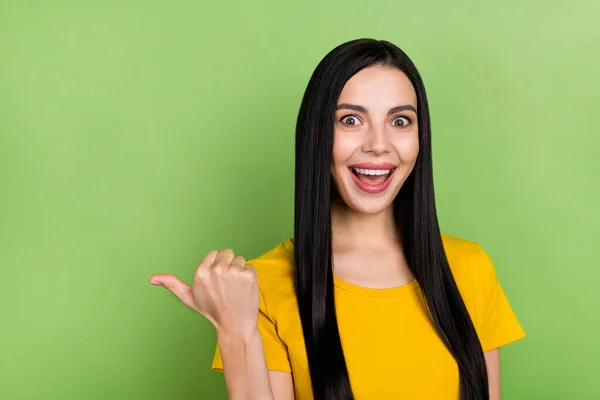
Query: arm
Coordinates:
[282,384]
[492,362]
[245,368]
[246,373]
[225,291]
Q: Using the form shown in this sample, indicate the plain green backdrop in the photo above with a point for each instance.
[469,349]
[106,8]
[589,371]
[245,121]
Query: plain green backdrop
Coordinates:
[138,135]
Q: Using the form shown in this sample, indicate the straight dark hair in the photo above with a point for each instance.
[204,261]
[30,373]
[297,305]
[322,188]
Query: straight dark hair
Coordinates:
[414,213]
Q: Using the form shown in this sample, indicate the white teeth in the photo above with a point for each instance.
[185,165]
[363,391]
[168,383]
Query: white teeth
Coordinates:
[372,171]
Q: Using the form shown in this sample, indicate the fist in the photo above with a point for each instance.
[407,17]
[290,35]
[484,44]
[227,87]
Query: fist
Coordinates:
[225,291]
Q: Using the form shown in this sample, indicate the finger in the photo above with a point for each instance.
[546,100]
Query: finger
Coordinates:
[175,286]
[208,259]
[237,265]
[250,272]
[239,261]
[224,257]
[205,264]
[250,268]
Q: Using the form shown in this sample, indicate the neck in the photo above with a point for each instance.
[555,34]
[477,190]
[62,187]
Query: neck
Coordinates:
[357,230]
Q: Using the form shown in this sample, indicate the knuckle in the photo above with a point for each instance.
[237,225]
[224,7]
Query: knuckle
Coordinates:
[250,275]
[202,272]
[218,269]
[235,269]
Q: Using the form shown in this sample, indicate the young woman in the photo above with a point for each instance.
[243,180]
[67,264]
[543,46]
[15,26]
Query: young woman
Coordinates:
[368,300]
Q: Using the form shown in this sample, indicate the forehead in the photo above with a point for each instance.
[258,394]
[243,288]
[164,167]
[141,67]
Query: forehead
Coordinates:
[379,86]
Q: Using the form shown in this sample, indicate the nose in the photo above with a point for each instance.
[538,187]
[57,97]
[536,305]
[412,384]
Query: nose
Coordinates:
[377,141]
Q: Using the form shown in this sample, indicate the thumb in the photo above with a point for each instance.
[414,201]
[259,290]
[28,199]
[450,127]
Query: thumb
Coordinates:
[175,286]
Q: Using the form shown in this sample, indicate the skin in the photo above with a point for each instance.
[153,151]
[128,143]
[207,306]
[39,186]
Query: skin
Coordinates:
[364,231]
[369,127]
[225,291]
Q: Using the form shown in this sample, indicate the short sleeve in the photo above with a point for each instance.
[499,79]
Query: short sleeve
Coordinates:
[496,323]
[276,353]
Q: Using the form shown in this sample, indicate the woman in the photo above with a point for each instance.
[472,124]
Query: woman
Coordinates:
[369,300]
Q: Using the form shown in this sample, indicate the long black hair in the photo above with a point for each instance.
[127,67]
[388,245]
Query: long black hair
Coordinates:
[414,213]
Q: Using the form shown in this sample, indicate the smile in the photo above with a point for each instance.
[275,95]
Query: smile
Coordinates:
[372,180]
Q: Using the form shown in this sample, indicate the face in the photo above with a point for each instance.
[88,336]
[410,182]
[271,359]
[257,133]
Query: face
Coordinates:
[376,138]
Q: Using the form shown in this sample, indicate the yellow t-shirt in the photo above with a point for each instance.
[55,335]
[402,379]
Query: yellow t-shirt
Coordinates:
[391,348]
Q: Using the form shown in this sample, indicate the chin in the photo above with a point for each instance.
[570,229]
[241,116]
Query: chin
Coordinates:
[370,207]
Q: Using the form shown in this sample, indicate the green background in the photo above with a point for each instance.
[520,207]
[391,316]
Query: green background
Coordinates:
[138,135]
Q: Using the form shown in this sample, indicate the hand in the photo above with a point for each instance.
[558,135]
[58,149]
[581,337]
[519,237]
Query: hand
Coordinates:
[225,291]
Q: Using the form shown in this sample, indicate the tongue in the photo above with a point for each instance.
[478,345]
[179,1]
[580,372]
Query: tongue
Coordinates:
[372,179]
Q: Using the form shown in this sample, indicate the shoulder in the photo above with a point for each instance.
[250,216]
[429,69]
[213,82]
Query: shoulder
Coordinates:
[464,256]
[276,263]
[482,293]
[275,270]
[471,267]
[460,250]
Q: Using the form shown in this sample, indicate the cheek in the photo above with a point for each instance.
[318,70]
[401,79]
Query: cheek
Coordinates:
[407,148]
[343,149]
[335,156]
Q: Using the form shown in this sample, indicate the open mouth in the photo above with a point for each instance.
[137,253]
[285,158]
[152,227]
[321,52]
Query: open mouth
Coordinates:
[372,177]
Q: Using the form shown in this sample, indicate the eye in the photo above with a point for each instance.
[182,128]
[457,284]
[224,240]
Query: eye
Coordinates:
[401,121]
[350,120]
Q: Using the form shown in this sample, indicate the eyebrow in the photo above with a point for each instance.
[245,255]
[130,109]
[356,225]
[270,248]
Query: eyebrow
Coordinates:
[355,107]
